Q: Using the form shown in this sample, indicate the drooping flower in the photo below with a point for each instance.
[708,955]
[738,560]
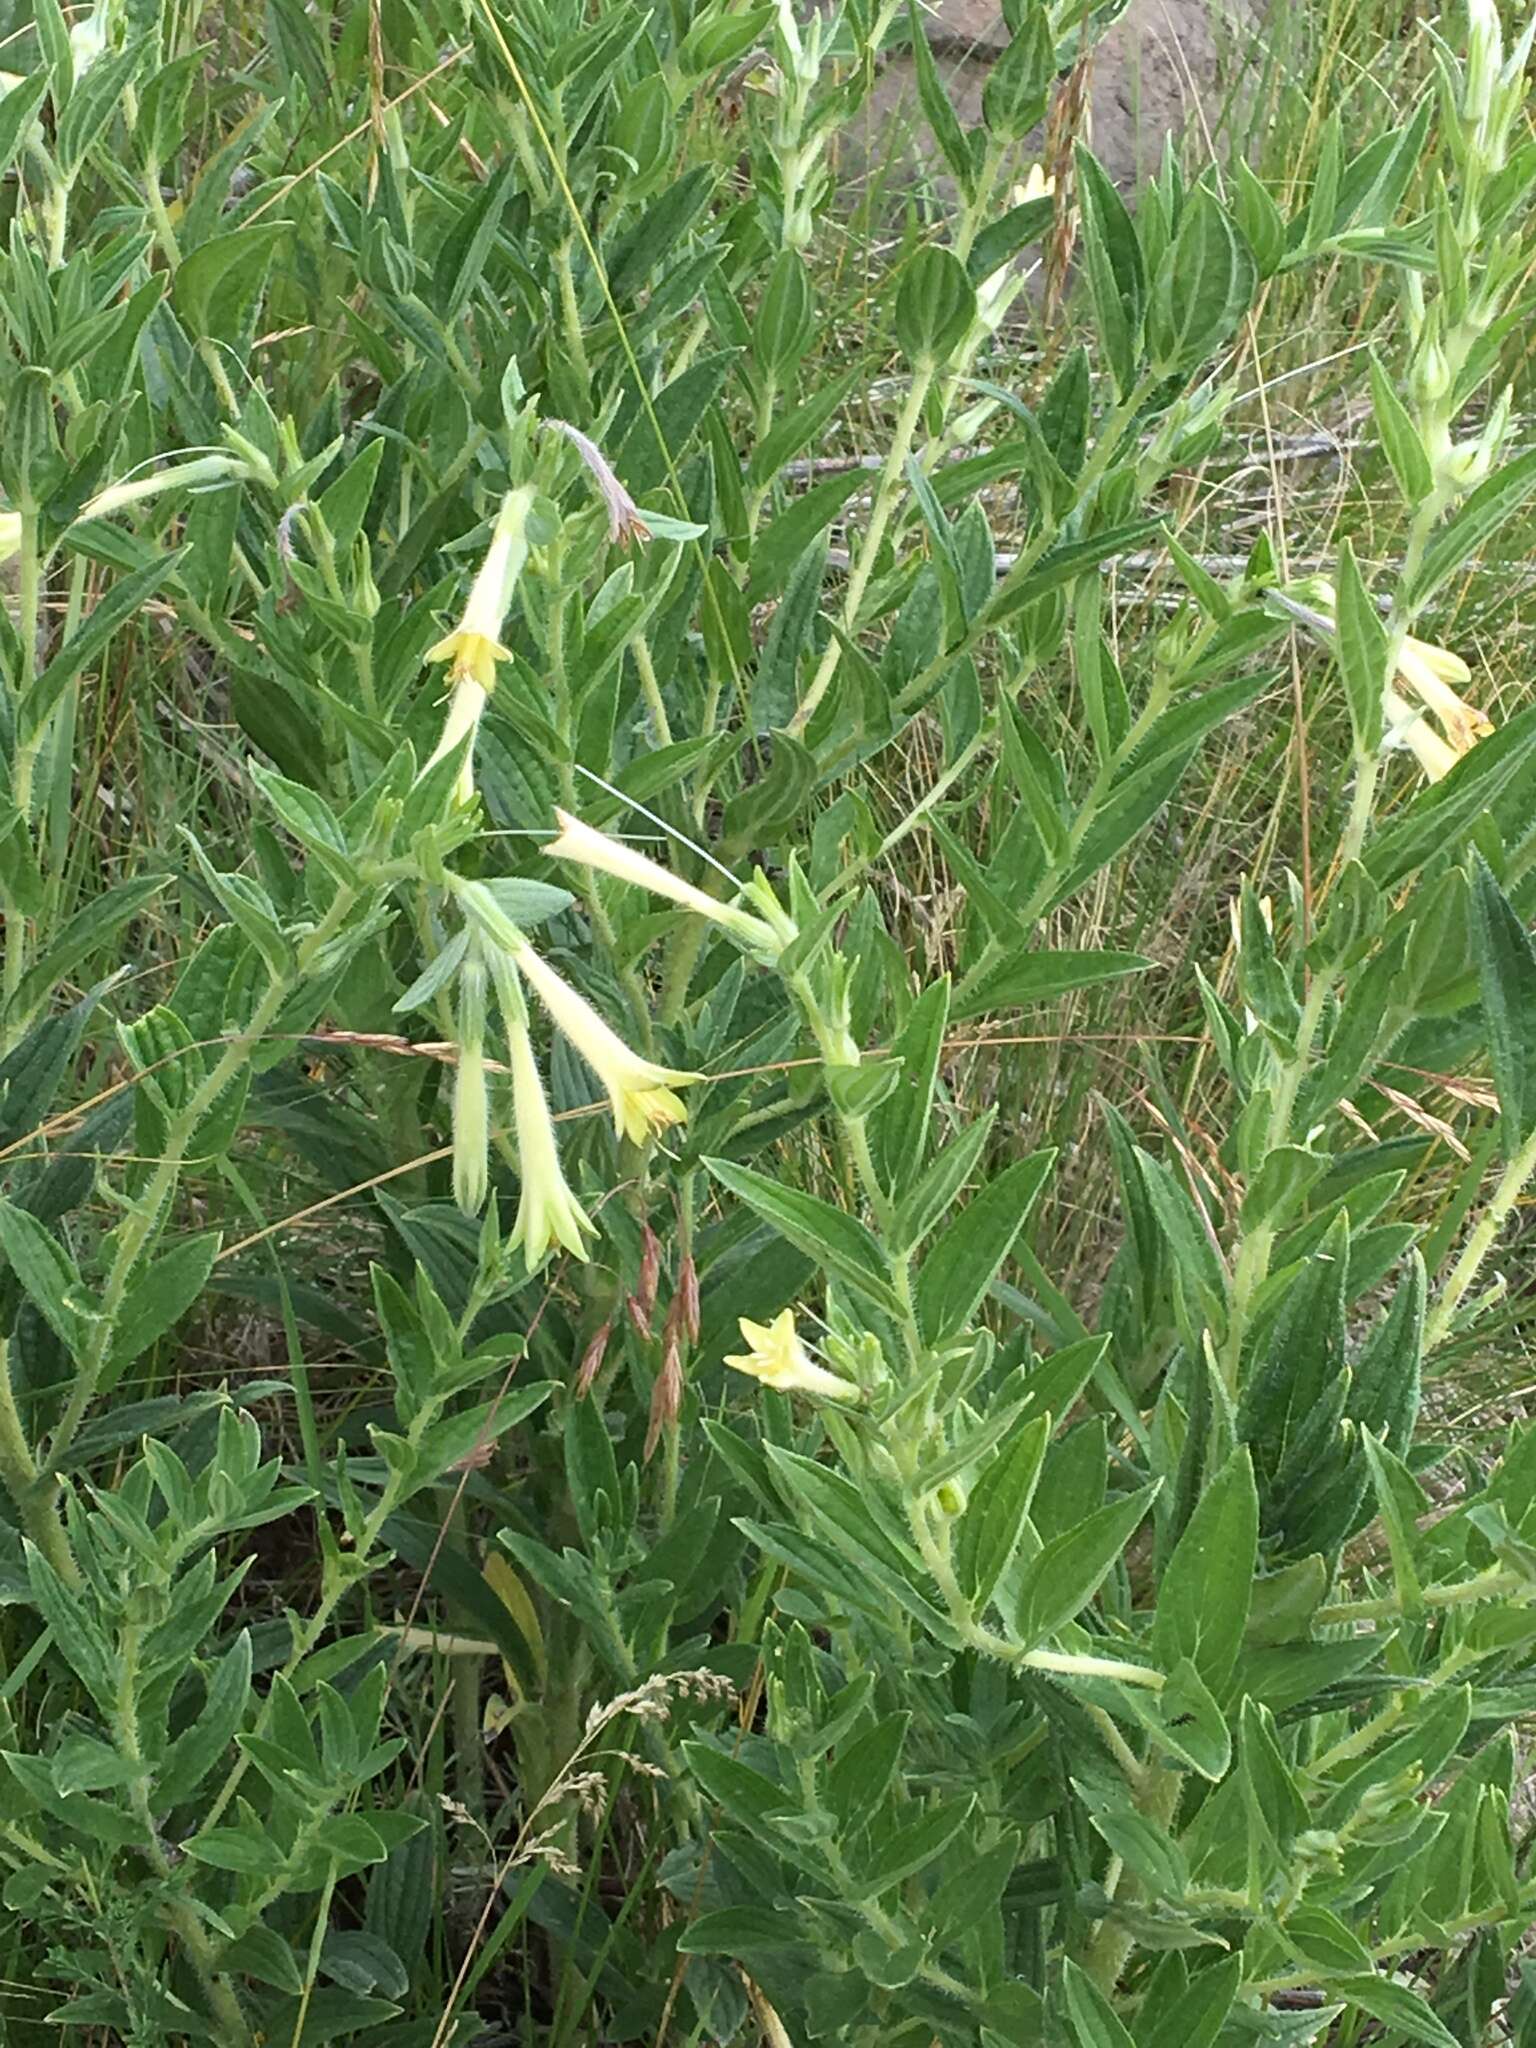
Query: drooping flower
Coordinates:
[589,848]
[1408,727]
[625,520]
[776,1356]
[474,646]
[1429,672]
[548,1212]
[639,1092]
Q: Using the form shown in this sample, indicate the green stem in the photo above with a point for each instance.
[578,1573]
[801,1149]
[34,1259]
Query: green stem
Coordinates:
[193,1935]
[887,491]
[18,1473]
[1496,1583]
[650,689]
[570,313]
[1114,1938]
[144,1218]
[1485,1235]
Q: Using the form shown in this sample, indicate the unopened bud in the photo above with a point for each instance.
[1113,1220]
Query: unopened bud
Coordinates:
[950,1496]
[1431,375]
[1485,58]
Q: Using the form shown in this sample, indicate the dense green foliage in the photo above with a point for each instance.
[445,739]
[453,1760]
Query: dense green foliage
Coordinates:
[578,1464]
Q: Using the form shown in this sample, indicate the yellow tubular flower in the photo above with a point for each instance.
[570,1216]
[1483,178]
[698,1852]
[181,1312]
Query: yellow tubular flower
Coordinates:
[10,534]
[1035,186]
[589,848]
[1407,727]
[639,1091]
[1429,672]
[474,646]
[548,1212]
[471,1131]
[778,1358]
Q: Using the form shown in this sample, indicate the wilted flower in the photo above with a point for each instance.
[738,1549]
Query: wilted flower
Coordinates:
[778,1358]
[548,1212]
[639,1091]
[625,521]
[474,646]
[589,848]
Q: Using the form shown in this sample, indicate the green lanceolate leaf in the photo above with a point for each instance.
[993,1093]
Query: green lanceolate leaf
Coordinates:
[1116,276]
[996,1514]
[836,1241]
[1203,288]
[935,305]
[1058,1583]
[1506,964]
[958,1270]
[1362,654]
[1202,1600]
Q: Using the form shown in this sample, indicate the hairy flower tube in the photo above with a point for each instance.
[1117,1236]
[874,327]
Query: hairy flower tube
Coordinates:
[639,1092]
[1429,672]
[548,1212]
[202,469]
[474,646]
[587,847]
[471,1111]
[776,1356]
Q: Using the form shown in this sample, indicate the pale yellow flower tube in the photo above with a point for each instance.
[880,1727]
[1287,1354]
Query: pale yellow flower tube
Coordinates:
[203,469]
[474,646]
[1408,727]
[548,1212]
[586,847]
[779,1360]
[639,1092]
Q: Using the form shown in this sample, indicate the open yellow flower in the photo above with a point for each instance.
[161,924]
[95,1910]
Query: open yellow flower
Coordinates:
[589,848]
[548,1212]
[639,1092]
[474,646]
[1429,672]
[778,1358]
[1408,727]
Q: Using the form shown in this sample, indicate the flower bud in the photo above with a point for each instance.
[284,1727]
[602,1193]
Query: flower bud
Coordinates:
[1431,376]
